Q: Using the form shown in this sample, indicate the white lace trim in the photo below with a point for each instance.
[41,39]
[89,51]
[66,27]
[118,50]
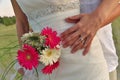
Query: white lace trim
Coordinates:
[53,9]
[57,2]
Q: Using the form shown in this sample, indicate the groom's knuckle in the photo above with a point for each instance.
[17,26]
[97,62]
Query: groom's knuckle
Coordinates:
[87,32]
[69,42]
[83,30]
[92,34]
[79,24]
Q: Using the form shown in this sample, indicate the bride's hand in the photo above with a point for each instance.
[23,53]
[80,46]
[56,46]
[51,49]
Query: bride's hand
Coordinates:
[82,33]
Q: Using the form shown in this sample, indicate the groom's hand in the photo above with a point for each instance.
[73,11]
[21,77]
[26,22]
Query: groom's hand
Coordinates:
[81,34]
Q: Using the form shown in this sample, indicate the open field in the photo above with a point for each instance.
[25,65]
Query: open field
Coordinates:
[9,44]
[116,37]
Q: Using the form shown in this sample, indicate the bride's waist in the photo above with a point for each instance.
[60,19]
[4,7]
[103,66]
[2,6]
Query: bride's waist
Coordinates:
[55,21]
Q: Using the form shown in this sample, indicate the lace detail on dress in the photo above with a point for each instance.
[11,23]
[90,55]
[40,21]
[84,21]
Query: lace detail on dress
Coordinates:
[53,8]
[56,2]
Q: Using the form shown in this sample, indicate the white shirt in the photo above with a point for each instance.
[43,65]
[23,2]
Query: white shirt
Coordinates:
[104,34]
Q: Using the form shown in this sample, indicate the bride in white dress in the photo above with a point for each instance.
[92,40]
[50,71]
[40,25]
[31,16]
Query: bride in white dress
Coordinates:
[42,13]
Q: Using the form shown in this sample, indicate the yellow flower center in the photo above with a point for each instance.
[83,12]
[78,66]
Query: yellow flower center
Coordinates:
[28,57]
[49,53]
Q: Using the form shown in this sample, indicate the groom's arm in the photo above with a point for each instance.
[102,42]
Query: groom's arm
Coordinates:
[114,14]
[107,11]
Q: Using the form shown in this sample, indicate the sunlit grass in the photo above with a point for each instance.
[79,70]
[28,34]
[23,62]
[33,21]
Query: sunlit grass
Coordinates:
[116,37]
[8,45]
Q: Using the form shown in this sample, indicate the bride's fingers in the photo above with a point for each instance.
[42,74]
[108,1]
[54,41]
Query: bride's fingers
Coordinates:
[87,45]
[82,37]
[76,17]
[73,29]
[69,40]
[71,20]
[89,38]
[87,41]
[86,50]
[68,32]
[76,46]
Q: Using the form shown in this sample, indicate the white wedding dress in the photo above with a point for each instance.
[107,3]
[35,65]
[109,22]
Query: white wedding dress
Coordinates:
[42,13]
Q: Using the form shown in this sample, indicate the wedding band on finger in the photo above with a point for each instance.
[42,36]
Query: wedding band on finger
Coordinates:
[81,39]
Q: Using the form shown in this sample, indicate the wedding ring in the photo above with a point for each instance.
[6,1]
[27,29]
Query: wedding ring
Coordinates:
[81,39]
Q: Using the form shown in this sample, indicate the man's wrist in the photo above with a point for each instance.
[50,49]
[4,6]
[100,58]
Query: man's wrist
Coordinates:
[98,18]
[102,13]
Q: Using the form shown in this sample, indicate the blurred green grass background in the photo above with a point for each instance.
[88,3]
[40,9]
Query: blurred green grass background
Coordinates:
[8,47]
[9,44]
[116,37]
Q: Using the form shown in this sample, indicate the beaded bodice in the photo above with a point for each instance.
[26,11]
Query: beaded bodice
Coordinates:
[44,7]
[47,12]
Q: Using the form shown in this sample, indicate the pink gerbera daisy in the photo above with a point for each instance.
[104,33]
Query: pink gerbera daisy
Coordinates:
[52,40]
[28,57]
[48,69]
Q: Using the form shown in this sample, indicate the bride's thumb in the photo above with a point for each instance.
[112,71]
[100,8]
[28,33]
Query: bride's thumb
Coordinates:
[76,17]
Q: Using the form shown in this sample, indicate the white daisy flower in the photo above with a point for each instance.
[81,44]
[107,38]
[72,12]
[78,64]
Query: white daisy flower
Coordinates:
[26,36]
[50,56]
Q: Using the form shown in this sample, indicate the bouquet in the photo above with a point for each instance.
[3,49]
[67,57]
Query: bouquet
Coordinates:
[40,49]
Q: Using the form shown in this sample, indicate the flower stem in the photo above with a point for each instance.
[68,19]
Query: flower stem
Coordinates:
[8,69]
